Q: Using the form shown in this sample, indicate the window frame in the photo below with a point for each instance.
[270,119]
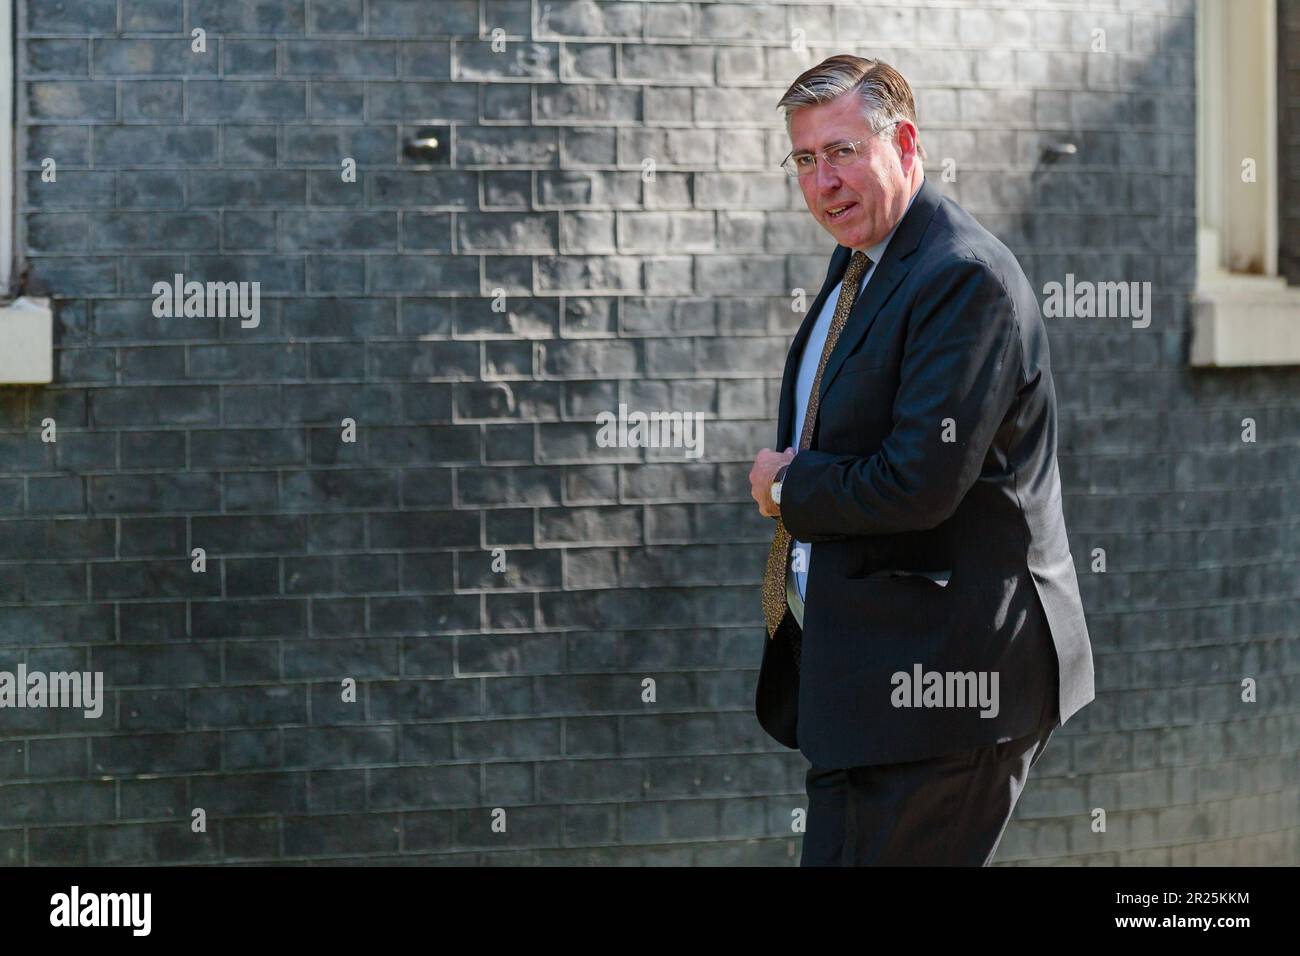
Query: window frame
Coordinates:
[1242,316]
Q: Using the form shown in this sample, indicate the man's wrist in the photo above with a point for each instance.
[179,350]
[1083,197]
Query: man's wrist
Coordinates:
[776,483]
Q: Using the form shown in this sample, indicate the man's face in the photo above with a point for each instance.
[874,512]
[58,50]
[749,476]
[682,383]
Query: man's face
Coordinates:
[876,186]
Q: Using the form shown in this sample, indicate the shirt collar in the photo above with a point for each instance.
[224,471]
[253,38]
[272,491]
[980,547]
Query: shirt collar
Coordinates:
[878,250]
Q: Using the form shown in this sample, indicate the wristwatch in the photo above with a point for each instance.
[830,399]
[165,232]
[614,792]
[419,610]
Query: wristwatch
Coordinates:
[776,484]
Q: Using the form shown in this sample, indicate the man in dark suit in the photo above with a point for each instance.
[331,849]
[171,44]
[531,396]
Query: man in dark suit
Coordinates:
[925,631]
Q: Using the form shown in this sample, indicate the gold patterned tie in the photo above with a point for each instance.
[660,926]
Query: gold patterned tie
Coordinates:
[778,559]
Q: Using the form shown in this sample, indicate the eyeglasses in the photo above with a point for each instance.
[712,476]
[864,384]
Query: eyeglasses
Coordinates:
[839,154]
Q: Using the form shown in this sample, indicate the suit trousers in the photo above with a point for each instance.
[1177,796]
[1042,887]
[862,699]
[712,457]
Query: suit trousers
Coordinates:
[943,811]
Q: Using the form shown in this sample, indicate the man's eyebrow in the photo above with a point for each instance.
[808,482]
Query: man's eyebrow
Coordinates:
[827,145]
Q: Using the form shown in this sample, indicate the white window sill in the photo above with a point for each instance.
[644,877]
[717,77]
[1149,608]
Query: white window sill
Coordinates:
[1240,320]
[26,342]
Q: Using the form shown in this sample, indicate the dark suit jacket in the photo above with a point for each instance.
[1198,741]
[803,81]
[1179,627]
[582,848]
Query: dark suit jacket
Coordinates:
[946,337]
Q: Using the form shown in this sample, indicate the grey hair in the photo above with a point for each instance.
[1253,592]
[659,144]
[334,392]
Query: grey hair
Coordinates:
[885,94]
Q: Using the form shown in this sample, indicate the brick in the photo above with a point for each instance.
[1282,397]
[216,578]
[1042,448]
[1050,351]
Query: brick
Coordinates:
[169,57]
[507,102]
[738,21]
[146,230]
[591,189]
[586,18]
[730,105]
[410,18]
[587,232]
[448,188]
[586,147]
[587,61]
[56,232]
[250,57]
[529,61]
[246,99]
[55,57]
[684,231]
[70,143]
[280,17]
[248,144]
[506,232]
[422,274]
[336,16]
[331,230]
[587,103]
[501,146]
[681,64]
[309,144]
[95,16]
[511,16]
[399,101]
[69,100]
[157,145]
[152,100]
[431,59]
[670,20]
[151,16]
[331,57]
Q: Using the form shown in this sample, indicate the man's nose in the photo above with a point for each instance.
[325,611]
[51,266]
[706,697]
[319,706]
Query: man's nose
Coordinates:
[828,177]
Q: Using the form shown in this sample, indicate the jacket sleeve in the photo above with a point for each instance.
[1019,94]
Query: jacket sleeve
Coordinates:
[961,361]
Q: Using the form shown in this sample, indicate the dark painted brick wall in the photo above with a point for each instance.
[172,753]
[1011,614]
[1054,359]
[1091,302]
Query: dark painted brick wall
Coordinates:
[372,560]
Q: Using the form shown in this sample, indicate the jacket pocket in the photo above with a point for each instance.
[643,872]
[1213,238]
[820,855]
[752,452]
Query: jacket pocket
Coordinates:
[938,578]
[894,605]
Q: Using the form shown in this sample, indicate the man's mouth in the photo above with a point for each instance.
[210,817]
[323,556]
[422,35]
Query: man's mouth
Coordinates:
[838,212]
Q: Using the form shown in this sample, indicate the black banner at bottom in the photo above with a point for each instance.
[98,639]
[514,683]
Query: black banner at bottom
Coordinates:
[274,904]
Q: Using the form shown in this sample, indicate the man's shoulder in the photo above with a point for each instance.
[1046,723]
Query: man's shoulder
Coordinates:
[957,241]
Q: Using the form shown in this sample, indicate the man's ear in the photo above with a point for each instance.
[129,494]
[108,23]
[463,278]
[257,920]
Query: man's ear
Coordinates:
[906,140]
[905,137]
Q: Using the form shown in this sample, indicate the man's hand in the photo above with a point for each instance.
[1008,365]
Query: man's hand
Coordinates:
[766,464]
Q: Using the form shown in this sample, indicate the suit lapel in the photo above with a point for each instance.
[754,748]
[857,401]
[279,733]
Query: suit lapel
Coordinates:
[894,265]
[839,262]
[891,269]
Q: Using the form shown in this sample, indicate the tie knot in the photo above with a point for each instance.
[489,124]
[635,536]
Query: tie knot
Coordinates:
[859,262]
